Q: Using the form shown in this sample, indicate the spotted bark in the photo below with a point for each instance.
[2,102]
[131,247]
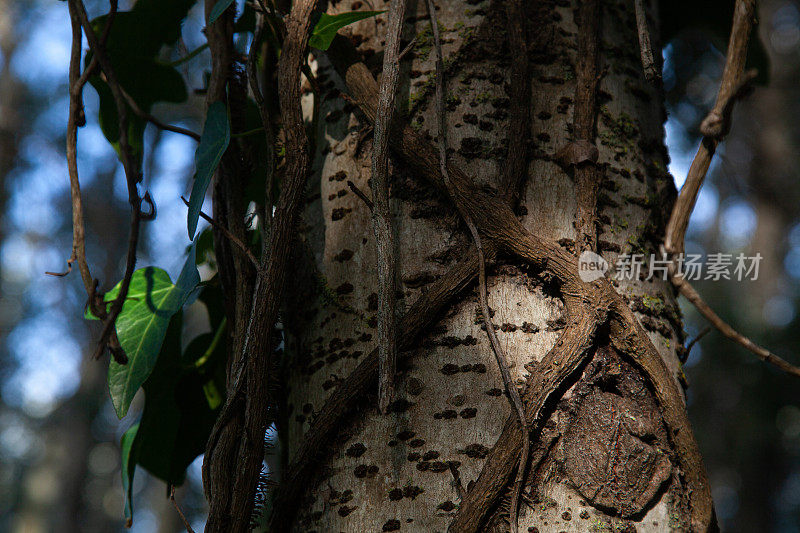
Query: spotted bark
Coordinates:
[603,460]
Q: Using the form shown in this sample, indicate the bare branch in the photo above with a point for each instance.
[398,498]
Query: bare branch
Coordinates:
[743,18]
[132,175]
[231,237]
[155,121]
[381,215]
[186,523]
[723,327]
[361,194]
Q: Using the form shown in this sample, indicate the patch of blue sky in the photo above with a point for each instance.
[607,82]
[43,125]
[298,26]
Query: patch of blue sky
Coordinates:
[48,362]
[737,222]
[41,60]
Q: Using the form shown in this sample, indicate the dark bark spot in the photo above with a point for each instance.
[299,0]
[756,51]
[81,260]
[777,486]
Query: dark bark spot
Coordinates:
[391,525]
[345,510]
[449,369]
[447,506]
[344,255]
[344,288]
[405,435]
[356,450]
[399,406]
[469,412]
[475,451]
[395,494]
[414,386]
[339,213]
[417,443]
[412,492]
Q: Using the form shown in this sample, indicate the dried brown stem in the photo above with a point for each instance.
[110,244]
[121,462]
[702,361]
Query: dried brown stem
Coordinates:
[586,176]
[743,18]
[132,176]
[645,47]
[186,523]
[74,120]
[502,362]
[231,237]
[238,435]
[361,194]
[723,327]
[381,215]
[155,121]
[515,169]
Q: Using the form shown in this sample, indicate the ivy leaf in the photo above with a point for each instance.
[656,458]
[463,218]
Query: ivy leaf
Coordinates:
[142,324]
[178,415]
[177,419]
[218,9]
[128,468]
[213,143]
[134,41]
[325,30]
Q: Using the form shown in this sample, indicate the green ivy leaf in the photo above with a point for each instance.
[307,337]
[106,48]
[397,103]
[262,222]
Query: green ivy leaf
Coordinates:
[218,9]
[135,39]
[128,469]
[327,26]
[177,417]
[213,143]
[142,324]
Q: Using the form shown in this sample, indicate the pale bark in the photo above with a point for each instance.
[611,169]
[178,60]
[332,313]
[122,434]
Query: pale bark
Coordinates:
[391,472]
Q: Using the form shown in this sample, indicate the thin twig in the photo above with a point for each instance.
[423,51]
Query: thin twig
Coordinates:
[155,121]
[744,14]
[502,362]
[645,47]
[132,174]
[361,194]
[407,49]
[697,338]
[76,119]
[381,215]
[186,523]
[723,327]
[231,237]
[733,85]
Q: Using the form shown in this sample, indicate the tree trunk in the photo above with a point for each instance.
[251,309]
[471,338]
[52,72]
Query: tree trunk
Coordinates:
[603,460]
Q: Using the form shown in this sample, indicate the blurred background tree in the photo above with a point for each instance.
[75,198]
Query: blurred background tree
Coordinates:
[59,437]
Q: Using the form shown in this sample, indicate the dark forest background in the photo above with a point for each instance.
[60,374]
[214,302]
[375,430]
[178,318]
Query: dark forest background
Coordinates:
[59,436]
